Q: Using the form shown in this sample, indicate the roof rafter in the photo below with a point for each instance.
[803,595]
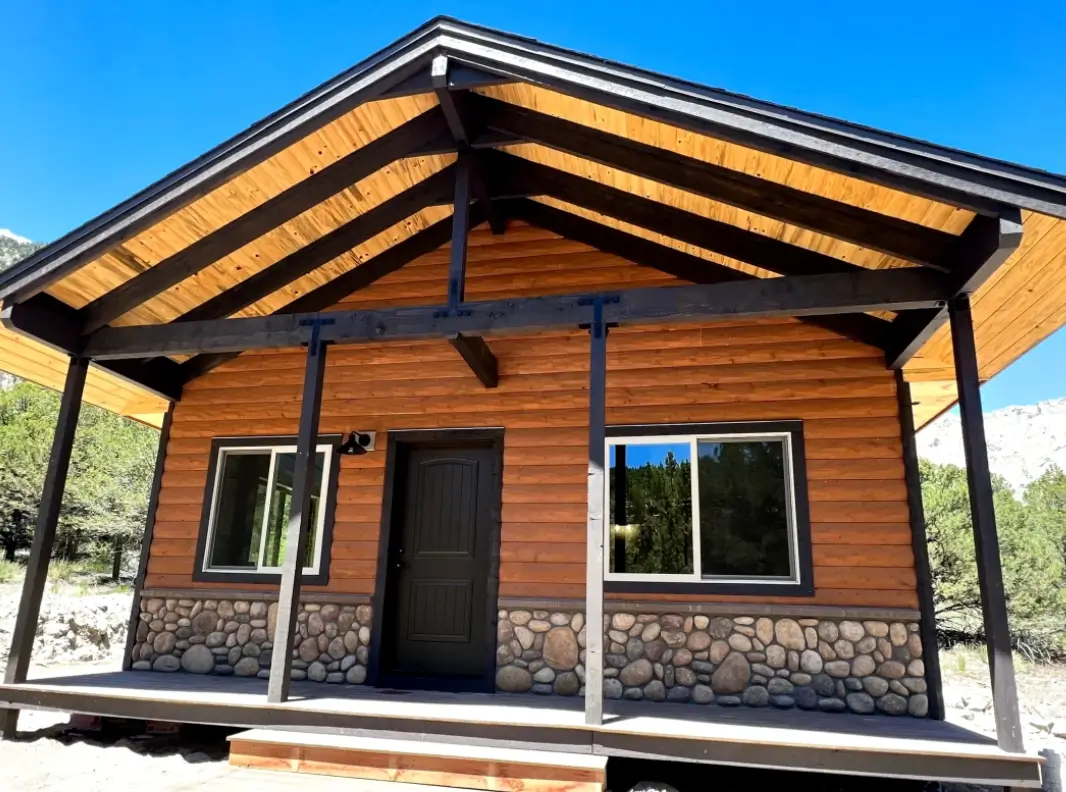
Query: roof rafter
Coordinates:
[432,190]
[859,327]
[942,174]
[252,224]
[863,227]
[713,235]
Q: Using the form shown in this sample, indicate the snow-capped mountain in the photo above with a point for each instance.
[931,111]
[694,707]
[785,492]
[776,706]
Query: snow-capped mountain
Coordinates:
[14,247]
[1023,442]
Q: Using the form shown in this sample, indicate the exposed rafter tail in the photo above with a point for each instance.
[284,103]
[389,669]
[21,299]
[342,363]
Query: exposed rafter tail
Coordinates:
[978,252]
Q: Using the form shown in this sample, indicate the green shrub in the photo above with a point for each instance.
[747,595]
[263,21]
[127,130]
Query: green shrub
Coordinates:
[63,571]
[1032,539]
[11,571]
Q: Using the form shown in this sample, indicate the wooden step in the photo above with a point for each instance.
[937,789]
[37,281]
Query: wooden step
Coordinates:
[416,762]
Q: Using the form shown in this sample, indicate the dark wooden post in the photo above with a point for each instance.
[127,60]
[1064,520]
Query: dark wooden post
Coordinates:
[919,543]
[55,480]
[460,230]
[300,527]
[146,540]
[986,539]
[594,533]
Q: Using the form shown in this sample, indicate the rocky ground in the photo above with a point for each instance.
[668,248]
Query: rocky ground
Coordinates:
[77,624]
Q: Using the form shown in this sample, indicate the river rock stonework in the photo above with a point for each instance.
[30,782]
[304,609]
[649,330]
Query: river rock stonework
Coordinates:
[235,638]
[832,665]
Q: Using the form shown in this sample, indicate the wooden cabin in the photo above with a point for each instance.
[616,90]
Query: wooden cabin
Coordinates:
[484,343]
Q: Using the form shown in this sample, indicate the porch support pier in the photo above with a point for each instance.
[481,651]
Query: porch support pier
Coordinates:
[299,527]
[596,499]
[986,539]
[44,535]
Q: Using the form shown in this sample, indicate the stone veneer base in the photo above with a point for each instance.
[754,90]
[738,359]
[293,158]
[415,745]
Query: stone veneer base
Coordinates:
[235,637]
[828,664]
[833,665]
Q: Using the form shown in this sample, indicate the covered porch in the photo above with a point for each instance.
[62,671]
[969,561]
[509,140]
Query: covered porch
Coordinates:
[906,748]
[893,280]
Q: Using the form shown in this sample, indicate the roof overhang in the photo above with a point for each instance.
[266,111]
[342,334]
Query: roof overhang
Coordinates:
[992,200]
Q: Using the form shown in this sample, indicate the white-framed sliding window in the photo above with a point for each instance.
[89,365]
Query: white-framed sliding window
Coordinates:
[246,517]
[715,506]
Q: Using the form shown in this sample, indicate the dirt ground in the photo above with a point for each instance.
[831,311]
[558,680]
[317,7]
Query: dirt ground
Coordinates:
[51,757]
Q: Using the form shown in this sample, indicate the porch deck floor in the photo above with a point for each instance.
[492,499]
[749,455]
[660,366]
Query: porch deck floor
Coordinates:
[783,739]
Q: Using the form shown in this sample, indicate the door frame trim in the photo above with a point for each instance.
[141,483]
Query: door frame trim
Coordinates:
[398,442]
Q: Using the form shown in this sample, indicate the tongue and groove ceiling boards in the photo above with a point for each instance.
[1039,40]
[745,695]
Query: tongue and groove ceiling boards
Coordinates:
[570,157]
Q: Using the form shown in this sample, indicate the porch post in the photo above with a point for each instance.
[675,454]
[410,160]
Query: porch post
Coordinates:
[594,534]
[986,539]
[299,527]
[920,545]
[146,540]
[18,661]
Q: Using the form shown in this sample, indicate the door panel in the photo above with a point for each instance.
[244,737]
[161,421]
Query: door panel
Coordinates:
[440,562]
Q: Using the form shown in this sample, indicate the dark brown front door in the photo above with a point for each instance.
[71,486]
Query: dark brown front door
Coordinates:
[442,537]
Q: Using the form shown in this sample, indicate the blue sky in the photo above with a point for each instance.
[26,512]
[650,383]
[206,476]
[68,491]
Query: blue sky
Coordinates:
[100,99]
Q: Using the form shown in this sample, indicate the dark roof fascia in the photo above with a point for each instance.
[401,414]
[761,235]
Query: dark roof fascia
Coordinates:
[982,184]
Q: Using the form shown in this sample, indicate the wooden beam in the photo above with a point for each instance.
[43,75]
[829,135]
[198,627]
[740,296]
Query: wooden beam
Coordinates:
[723,238]
[332,292]
[986,538]
[252,224]
[44,534]
[979,251]
[55,324]
[465,126]
[868,290]
[619,243]
[859,327]
[310,257]
[453,105]
[460,232]
[594,533]
[460,77]
[920,546]
[146,538]
[478,356]
[869,229]
[301,518]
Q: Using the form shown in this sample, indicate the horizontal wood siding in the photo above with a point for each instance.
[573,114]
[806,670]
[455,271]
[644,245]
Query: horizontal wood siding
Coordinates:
[726,371]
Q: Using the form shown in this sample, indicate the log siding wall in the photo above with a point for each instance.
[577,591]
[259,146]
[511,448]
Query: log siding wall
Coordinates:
[725,371]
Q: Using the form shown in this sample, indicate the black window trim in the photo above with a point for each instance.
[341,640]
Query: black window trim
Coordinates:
[321,578]
[805,586]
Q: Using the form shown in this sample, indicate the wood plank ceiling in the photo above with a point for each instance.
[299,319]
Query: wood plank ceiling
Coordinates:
[1022,303]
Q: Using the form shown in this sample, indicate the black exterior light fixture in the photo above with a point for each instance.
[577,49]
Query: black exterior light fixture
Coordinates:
[357,444]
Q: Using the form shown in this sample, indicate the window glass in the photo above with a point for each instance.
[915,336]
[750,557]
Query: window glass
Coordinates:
[239,510]
[253,506]
[652,535]
[743,512]
[281,509]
